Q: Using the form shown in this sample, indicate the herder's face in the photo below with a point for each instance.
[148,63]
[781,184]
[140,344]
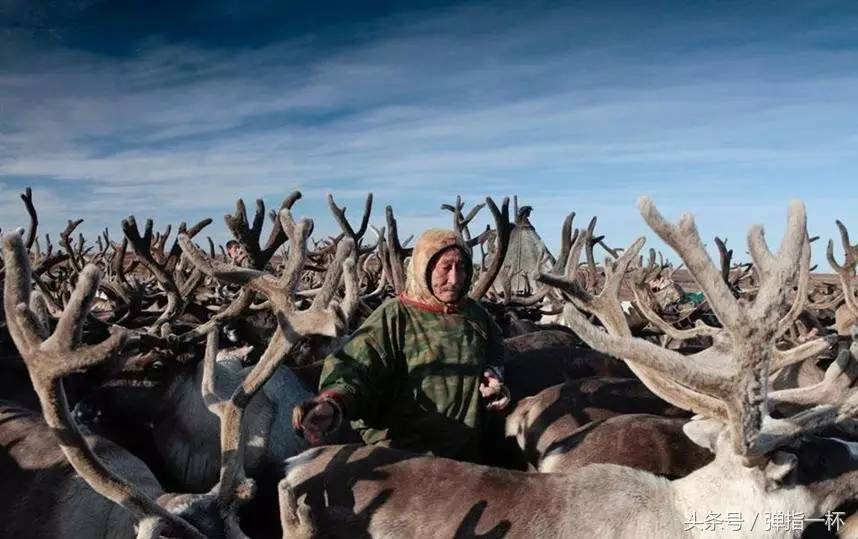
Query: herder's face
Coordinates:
[448,276]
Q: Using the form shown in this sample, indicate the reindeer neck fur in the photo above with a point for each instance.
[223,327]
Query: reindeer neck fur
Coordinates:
[727,486]
[187,434]
[50,499]
[93,515]
[838,482]
[284,390]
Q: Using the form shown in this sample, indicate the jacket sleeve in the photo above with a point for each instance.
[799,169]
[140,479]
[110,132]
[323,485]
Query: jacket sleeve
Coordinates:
[355,376]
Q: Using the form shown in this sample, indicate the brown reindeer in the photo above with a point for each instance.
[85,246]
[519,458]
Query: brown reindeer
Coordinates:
[536,361]
[610,420]
[647,442]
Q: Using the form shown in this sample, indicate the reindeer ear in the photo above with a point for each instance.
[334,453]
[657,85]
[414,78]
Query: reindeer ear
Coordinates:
[780,468]
[703,432]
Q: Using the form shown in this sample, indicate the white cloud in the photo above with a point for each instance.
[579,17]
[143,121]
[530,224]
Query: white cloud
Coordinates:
[548,106]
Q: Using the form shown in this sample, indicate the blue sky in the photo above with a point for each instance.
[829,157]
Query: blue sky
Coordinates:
[173,110]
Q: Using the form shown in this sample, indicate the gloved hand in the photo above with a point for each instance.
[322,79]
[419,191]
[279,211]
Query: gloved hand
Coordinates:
[494,391]
[313,419]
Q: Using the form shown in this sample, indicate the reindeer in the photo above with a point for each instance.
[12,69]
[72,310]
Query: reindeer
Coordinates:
[159,390]
[157,394]
[542,359]
[762,463]
[48,360]
[119,477]
[611,420]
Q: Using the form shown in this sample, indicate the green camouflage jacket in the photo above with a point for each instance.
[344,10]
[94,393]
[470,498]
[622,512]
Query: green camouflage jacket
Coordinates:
[409,376]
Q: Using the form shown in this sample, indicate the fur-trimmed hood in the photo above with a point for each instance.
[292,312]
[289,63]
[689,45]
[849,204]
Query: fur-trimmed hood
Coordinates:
[430,244]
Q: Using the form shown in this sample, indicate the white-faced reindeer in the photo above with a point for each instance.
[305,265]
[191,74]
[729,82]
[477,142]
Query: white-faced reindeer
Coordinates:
[109,471]
[762,463]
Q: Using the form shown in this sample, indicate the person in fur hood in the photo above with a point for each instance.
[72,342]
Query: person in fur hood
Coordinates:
[422,370]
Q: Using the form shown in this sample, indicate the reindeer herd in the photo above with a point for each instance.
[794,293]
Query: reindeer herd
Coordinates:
[148,384]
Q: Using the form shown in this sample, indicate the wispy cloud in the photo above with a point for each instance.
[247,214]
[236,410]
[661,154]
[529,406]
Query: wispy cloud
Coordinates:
[725,117]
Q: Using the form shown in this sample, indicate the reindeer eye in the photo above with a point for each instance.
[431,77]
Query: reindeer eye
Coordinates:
[158,365]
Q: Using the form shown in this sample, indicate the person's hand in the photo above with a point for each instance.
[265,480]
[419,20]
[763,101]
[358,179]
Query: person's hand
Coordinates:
[314,418]
[494,391]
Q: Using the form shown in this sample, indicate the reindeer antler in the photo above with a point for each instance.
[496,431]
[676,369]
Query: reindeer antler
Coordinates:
[323,318]
[27,197]
[146,251]
[503,228]
[728,380]
[346,227]
[248,236]
[51,357]
[846,271]
[462,221]
[393,253]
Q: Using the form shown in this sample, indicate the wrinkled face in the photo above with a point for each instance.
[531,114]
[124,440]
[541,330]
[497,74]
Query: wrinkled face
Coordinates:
[448,276]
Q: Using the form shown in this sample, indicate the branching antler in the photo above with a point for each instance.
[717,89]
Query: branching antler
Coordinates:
[321,318]
[346,227]
[835,387]
[732,375]
[393,253]
[324,317]
[248,236]
[461,221]
[846,271]
[606,307]
[27,197]
[51,357]
[832,401]
[160,269]
[65,241]
[503,228]
[641,278]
